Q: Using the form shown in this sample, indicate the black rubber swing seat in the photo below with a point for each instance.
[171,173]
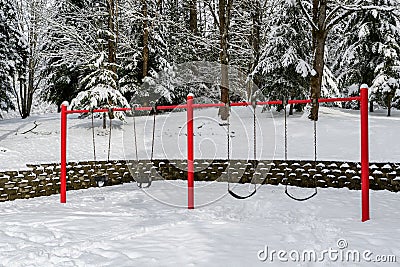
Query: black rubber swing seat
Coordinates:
[241,197]
[251,164]
[100,179]
[315,156]
[301,199]
[250,169]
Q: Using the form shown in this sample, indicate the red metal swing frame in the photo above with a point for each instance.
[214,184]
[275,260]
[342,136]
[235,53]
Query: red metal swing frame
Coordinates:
[190,106]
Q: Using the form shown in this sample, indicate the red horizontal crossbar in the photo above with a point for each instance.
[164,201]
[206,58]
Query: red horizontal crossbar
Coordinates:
[274,102]
[208,105]
[143,108]
[234,104]
[171,107]
[259,103]
[238,104]
[325,100]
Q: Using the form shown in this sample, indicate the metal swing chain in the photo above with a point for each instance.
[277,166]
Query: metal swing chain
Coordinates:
[228,157]
[286,130]
[254,142]
[315,152]
[254,133]
[315,141]
[229,152]
[135,134]
[94,142]
[315,148]
[136,147]
[286,142]
[315,160]
[152,149]
[109,137]
[154,132]
[135,140]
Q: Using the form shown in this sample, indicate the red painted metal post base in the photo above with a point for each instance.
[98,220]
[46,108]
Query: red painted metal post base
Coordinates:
[63,171]
[190,145]
[364,153]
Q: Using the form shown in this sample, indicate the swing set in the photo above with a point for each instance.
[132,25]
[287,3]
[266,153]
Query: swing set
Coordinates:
[190,106]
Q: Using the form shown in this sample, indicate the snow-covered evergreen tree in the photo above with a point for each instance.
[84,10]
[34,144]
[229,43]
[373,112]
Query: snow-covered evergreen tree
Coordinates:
[370,51]
[9,37]
[170,42]
[82,47]
[100,84]
[387,73]
[285,60]
[62,66]
[100,89]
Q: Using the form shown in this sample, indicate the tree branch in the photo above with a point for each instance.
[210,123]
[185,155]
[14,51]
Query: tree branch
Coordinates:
[337,20]
[309,20]
[348,9]
[360,7]
[229,13]
[333,13]
[36,125]
[216,22]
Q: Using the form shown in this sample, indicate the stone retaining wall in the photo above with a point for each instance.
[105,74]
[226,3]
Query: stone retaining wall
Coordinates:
[44,179]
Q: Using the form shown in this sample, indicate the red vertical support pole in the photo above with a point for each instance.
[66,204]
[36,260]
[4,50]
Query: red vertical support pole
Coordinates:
[190,172]
[63,178]
[364,153]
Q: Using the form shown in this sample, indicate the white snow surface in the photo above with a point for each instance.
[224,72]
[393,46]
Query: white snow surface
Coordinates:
[127,226]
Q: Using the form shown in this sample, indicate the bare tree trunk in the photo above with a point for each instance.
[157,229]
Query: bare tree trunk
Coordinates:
[255,38]
[203,22]
[27,68]
[28,85]
[30,89]
[224,22]
[371,106]
[319,38]
[291,107]
[193,16]
[112,49]
[389,104]
[104,121]
[116,22]
[145,39]
[316,79]
[22,95]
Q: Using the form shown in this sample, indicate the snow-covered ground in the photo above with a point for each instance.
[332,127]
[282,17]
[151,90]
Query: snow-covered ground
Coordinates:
[125,226]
